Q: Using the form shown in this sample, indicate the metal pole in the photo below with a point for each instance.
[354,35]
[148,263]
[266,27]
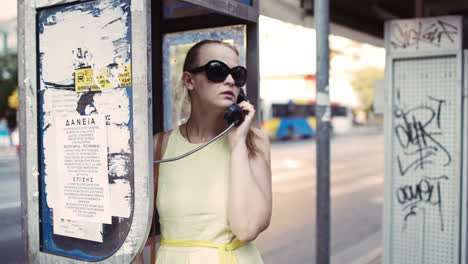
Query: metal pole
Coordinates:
[323,114]
[418,8]
[5,43]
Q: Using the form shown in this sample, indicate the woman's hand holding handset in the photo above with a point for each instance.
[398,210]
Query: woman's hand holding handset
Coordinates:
[238,134]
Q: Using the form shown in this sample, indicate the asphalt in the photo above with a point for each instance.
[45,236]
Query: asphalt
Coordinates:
[8,154]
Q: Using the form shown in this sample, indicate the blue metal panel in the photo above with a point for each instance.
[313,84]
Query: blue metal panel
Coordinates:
[247,2]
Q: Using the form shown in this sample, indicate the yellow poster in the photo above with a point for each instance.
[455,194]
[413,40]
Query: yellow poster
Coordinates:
[84,79]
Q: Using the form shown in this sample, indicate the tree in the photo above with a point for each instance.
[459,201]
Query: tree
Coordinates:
[13,101]
[363,84]
[8,79]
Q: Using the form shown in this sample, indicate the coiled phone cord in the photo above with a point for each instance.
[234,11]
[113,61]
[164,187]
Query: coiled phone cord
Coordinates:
[196,149]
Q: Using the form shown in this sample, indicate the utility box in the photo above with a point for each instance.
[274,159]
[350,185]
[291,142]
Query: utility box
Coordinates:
[425,141]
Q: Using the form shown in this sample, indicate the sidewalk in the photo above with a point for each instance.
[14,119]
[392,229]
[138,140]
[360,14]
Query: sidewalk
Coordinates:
[368,251]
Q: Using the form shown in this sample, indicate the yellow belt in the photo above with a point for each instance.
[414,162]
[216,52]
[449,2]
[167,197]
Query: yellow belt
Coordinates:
[222,248]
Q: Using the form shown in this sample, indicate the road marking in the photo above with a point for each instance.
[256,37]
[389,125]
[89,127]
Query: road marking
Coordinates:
[292,175]
[337,175]
[337,168]
[340,190]
[287,164]
[356,186]
[10,205]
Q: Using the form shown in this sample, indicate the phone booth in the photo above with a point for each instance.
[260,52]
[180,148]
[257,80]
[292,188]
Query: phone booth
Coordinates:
[177,25]
[97,78]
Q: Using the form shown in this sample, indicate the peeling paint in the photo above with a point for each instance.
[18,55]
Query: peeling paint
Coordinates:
[100,41]
[96,42]
[119,166]
[121,195]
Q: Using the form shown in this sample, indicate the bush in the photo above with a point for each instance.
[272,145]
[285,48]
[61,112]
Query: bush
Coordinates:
[8,79]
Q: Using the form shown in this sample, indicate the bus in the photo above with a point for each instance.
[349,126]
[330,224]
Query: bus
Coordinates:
[296,119]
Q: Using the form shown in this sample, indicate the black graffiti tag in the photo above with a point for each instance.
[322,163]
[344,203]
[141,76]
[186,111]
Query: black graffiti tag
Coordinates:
[417,130]
[432,34]
[427,192]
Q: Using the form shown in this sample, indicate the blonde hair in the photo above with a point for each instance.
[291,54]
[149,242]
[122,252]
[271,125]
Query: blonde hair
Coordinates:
[183,106]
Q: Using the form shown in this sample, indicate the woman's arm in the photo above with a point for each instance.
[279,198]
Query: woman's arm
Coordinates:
[156,137]
[250,193]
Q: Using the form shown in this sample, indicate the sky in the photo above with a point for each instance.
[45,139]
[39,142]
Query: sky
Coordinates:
[8,9]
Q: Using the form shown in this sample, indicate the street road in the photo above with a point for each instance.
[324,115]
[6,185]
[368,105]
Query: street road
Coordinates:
[10,215]
[357,197]
[357,175]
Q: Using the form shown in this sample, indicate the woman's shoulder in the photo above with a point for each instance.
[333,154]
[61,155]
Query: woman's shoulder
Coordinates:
[165,137]
[160,134]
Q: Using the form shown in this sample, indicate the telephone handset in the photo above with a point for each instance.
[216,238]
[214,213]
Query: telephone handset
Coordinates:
[234,116]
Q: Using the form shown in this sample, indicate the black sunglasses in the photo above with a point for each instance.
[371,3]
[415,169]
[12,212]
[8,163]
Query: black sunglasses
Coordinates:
[218,71]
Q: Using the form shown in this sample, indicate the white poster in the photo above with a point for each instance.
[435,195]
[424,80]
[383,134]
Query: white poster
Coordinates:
[82,169]
[82,230]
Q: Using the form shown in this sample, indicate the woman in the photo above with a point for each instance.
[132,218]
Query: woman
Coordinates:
[213,203]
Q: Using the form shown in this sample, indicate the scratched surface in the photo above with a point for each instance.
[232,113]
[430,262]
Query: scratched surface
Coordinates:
[429,34]
[425,180]
[175,46]
[84,68]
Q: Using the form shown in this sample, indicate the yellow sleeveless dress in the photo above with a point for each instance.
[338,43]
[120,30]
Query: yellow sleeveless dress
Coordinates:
[192,205]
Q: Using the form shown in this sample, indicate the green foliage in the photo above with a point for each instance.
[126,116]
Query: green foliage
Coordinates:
[363,85]
[13,100]
[8,79]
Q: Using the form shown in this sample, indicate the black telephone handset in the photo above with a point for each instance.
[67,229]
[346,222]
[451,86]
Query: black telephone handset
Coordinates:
[235,114]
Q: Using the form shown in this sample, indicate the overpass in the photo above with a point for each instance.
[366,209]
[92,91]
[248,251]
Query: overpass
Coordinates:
[361,20]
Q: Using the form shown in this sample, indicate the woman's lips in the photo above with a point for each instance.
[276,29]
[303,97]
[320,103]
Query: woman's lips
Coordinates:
[228,93]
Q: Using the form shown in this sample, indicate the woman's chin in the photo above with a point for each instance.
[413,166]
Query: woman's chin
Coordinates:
[224,104]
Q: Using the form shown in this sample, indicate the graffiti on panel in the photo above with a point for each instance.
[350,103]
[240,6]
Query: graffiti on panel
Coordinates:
[418,131]
[426,192]
[424,34]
